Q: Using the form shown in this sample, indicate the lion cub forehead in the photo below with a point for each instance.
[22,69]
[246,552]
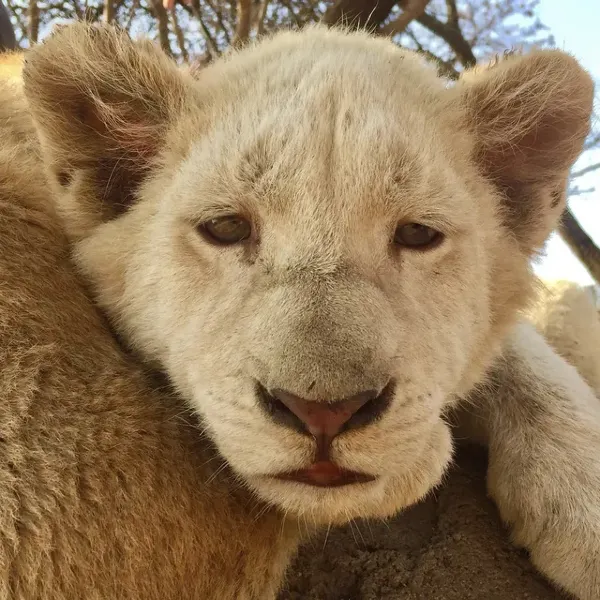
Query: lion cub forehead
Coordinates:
[327,117]
[302,63]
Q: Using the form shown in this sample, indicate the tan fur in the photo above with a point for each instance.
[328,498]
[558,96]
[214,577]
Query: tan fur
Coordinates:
[566,315]
[11,66]
[326,141]
[108,487]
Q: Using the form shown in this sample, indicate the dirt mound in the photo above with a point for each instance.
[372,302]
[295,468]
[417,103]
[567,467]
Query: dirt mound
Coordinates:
[451,546]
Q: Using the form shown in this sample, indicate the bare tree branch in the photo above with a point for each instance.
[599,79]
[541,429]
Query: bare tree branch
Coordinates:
[213,49]
[260,17]
[592,142]
[585,171]
[179,34]
[244,22]
[445,69]
[410,11]
[109,11]
[452,36]
[360,14]
[33,27]
[219,15]
[290,9]
[18,17]
[452,14]
[134,6]
[581,244]
[162,18]
[577,191]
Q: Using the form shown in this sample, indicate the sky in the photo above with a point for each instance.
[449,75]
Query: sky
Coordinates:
[576,29]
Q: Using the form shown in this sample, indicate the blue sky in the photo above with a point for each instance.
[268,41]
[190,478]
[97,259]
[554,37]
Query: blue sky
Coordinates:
[576,30]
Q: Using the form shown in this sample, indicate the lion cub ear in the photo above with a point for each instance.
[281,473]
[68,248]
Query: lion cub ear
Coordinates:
[530,115]
[102,104]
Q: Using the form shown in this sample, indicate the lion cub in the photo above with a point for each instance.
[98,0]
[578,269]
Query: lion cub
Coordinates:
[326,247]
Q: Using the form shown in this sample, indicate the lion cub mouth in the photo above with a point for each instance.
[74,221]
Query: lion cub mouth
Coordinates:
[325,473]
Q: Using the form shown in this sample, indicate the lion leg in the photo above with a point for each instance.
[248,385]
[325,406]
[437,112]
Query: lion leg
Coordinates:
[541,422]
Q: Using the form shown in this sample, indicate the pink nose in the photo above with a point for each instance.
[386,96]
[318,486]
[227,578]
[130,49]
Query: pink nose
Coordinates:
[324,418]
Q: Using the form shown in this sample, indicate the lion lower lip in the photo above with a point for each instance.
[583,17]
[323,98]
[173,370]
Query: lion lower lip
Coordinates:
[325,474]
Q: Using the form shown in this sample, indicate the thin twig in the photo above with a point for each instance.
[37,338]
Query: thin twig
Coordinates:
[585,170]
[290,9]
[134,6]
[212,47]
[179,34]
[219,16]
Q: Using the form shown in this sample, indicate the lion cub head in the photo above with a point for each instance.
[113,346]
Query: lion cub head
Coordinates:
[318,240]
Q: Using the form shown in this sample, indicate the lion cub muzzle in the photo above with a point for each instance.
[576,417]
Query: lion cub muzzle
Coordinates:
[324,421]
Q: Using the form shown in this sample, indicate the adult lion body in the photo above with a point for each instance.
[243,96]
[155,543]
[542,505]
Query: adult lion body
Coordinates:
[311,308]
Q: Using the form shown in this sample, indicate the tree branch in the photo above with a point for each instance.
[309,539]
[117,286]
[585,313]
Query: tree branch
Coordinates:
[212,48]
[290,9]
[412,10]
[34,22]
[452,36]
[134,6]
[585,170]
[109,11]
[359,14]
[261,16]
[581,244]
[219,16]
[162,18]
[452,14]
[244,23]
[179,34]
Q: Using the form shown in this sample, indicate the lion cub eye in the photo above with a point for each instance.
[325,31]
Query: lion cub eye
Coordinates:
[227,230]
[415,235]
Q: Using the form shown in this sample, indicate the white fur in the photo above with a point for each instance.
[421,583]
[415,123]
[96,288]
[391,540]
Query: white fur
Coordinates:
[326,141]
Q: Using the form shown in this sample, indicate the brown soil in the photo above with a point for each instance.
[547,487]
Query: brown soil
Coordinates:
[451,546]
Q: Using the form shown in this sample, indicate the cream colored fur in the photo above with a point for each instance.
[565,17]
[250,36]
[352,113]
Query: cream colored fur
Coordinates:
[326,141]
[566,315]
[542,424]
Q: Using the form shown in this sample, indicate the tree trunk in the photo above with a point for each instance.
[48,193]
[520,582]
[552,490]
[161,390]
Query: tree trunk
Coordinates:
[581,244]
[8,40]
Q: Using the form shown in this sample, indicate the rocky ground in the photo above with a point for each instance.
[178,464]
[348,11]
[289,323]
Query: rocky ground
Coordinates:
[452,546]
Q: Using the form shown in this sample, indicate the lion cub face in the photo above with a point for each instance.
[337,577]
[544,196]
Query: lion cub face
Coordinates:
[320,242]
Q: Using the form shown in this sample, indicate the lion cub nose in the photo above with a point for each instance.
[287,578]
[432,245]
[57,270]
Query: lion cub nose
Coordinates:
[326,419]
